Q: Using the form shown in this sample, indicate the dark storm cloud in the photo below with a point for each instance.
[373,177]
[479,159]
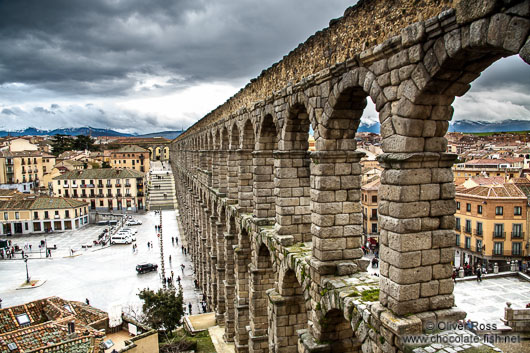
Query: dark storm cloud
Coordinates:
[7,111]
[101,46]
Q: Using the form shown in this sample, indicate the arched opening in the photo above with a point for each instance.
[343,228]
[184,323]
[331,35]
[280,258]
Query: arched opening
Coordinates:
[157,153]
[221,264]
[263,169]
[230,282]
[166,153]
[245,165]
[337,331]
[151,155]
[291,171]
[216,147]
[233,163]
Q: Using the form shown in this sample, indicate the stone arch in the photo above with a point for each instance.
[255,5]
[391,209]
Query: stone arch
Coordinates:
[151,153]
[287,312]
[336,330]
[166,153]
[292,182]
[263,168]
[222,159]
[244,179]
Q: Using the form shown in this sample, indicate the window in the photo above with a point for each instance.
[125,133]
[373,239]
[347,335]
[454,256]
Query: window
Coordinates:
[457,224]
[457,205]
[468,226]
[23,319]
[498,230]
[46,214]
[66,214]
[374,199]
[498,211]
[479,209]
[517,231]
[516,248]
[457,239]
[374,228]
[517,210]
[101,203]
[6,216]
[498,248]
[468,207]
[36,215]
[468,243]
[17,215]
[479,245]
[479,229]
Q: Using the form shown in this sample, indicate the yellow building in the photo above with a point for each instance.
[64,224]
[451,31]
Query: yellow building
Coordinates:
[491,224]
[37,214]
[24,166]
[506,169]
[130,157]
[105,189]
[369,201]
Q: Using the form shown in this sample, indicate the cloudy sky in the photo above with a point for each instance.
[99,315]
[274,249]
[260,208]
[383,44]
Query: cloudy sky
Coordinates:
[144,66]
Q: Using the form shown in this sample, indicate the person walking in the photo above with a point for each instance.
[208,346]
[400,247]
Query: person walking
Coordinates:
[189,307]
[177,241]
[479,274]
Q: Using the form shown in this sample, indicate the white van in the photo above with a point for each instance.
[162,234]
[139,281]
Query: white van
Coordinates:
[120,239]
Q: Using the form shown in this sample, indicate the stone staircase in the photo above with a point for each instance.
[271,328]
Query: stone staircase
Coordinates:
[162,190]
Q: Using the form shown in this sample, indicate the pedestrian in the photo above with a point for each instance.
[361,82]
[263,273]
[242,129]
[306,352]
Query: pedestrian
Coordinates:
[479,274]
[173,240]
[182,267]
[177,241]
[178,279]
[172,276]
[0,303]
[454,276]
[87,301]
[29,247]
[169,258]
[189,307]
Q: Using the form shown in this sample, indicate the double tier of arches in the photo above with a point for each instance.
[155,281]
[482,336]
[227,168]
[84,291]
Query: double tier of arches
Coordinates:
[249,189]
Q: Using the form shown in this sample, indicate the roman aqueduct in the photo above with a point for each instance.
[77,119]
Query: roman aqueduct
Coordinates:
[275,230]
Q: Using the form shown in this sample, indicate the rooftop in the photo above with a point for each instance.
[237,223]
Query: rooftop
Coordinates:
[130,149]
[100,173]
[32,202]
[504,191]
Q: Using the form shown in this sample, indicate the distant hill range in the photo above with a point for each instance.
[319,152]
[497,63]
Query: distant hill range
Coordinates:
[94,132]
[469,126]
[486,126]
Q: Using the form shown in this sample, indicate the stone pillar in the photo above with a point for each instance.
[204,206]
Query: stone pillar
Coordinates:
[215,169]
[261,279]
[229,286]
[287,315]
[232,175]
[213,269]
[244,187]
[292,191]
[242,261]
[416,211]
[336,213]
[220,314]
[263,180]
[223,172]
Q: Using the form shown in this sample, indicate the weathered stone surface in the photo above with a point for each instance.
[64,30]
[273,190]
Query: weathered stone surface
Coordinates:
[470,10]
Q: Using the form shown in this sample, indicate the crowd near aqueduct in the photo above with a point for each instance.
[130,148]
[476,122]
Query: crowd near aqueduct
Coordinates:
[275,230]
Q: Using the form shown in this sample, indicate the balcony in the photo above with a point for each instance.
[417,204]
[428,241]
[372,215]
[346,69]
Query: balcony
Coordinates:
[91,185]
[373,217]
[504,252]
[127,185]
[110,195]
[457,227]
[100,185]
[118,185]
[101,195]
[9,162]
[467,230]
[517,235]
[128,195]
[140,194]
[478,233]
[499,234]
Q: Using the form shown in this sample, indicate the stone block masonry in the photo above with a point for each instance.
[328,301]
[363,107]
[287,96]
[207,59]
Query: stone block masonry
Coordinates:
[275,230]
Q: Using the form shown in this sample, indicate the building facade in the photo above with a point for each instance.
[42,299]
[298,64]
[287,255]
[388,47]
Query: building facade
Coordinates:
[39,214]
[105,189]
[369,202]
[491,225]
[130,157]
[24,166]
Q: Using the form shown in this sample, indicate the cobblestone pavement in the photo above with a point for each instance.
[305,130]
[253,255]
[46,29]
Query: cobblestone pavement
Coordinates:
[106,276]
[485,301]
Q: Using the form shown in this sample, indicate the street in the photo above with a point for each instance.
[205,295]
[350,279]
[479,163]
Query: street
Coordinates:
[105,276]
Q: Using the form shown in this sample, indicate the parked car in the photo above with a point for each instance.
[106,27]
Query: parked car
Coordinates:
[120,239]
[131,230]
[147,267]
[133,222]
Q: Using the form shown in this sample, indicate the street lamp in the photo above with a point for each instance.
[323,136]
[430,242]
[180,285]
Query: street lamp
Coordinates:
[27,272]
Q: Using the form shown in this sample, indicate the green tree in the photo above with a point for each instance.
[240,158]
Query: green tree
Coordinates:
[83,142]
[61,143]
[163,309]
[105,165]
